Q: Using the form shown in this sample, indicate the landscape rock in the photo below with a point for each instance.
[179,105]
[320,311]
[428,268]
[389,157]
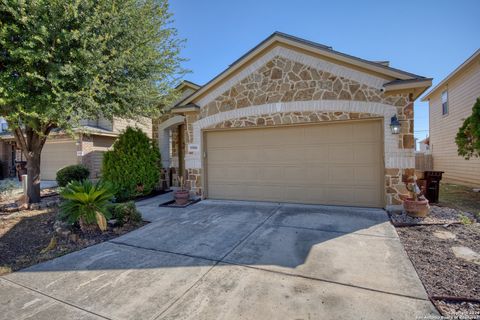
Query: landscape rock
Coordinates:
[446,235]
[466,254]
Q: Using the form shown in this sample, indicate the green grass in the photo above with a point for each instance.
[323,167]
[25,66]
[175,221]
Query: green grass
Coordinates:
[460,197]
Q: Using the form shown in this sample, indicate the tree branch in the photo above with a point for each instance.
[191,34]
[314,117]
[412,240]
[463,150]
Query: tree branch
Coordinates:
[20,139]
[46,132]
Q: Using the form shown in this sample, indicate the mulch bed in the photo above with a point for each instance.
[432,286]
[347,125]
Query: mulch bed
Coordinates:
[7,206]
[437,216]
[24,234]
[173,204]
[452,283]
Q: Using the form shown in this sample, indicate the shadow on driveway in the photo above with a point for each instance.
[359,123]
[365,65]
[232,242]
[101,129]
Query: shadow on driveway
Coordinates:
[334,257]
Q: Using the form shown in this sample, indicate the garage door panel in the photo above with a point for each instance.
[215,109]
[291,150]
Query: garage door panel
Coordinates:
[364,131]
[341,153]
[55,156]
[366,176]
[294,174]
[316,154]
[341,175]
[317,174]
[273,137]
[366,152]
[339,164]
[316,135]
[282,154]
[340,133]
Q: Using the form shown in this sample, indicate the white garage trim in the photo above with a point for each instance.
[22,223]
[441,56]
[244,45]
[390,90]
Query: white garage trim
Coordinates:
[394,156]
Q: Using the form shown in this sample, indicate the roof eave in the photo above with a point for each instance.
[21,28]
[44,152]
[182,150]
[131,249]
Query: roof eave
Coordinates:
[408,84]
[306,45]
[451,75]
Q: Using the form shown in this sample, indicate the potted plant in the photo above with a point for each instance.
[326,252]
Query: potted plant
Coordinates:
[415,204]
[181,195]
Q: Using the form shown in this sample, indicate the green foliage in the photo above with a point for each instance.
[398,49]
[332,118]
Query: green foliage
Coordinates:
[86,202]
[63,61]
[468,136]
[465,220]
[75,172]
[125,212]
[133,166]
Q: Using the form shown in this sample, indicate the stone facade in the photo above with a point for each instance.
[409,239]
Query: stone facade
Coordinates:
[281,81]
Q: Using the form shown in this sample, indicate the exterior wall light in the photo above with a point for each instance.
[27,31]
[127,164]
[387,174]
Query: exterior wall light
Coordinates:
[395,125]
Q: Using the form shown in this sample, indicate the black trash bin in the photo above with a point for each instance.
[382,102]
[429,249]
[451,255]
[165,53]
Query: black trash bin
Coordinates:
[432,179]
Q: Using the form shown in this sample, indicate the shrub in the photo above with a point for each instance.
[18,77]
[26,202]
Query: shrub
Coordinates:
[125,213]
[133,165]
[7,187]
[75,172]
[86,203]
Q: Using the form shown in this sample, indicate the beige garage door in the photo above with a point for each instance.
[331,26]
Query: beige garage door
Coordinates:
[55,156]
[337,163]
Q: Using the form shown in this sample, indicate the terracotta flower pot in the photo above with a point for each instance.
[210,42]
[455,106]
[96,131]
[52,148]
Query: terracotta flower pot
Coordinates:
[181,197]
[418,209]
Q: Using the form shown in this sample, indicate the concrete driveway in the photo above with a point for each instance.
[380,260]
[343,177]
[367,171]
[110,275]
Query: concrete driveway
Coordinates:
[229,260]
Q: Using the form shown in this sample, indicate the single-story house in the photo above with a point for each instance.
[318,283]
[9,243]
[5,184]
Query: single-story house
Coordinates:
[90,141]
[450,102]
[424,145]
[296,121]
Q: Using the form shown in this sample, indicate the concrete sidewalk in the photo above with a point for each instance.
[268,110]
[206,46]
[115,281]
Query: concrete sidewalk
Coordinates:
[229,260]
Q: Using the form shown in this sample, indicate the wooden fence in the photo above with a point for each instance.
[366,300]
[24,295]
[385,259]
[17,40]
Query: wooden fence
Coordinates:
[423,161]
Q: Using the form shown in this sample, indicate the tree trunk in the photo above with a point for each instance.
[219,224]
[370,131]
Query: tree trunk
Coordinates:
[33,174]
[31,142]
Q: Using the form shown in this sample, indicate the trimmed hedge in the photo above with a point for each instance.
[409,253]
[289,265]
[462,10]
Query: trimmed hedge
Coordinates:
[133,165]
[76,172]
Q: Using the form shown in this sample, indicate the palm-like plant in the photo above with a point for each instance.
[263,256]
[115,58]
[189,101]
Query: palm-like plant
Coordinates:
[86,203]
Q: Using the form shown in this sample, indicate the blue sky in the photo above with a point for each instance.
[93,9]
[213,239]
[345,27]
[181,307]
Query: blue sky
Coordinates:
[429,38]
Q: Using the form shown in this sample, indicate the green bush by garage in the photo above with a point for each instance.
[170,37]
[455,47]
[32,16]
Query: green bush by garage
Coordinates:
[133,165]
[75,172]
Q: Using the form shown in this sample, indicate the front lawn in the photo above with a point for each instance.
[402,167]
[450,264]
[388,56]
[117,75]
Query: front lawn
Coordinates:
[459,197]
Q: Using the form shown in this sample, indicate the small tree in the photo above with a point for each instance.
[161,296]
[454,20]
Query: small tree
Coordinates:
[64,61]
[468,136]
[133,166]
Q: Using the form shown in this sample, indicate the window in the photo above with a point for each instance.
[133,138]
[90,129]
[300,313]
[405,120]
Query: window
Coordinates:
[445,102]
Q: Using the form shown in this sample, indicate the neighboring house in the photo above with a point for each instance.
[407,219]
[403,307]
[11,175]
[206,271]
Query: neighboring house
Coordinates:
[92,139]
[450,102]
[424,145]
[296,121]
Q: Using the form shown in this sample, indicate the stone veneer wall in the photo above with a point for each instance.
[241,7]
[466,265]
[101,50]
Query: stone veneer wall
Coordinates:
[282,80]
